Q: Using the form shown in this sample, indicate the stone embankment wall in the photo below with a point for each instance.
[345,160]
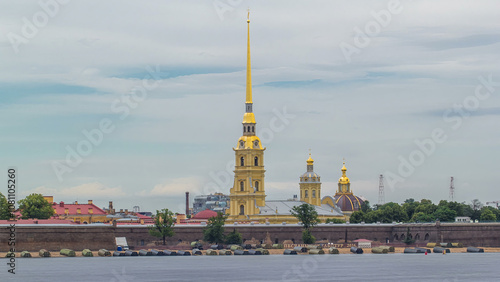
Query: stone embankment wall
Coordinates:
[34,238]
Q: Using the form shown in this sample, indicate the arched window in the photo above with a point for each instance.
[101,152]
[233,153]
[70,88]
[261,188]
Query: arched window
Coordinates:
[242,210]
[314,193]
[256,161]
[242,186]
[242,161]
[253,129]
[306,194]
[244,129]
[248,128]
[426,238]
[257,185]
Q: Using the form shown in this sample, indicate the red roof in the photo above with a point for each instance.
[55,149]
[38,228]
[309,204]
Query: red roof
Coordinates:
[72,209]
[206,214]
[362,240]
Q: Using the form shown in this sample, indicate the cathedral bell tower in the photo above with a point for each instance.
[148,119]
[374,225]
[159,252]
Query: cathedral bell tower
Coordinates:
[248,193]
[310,185]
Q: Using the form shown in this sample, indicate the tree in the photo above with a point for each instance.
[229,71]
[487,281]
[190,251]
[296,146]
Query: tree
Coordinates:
[445,214]
[234,237]
[163,224]
[476,207]
[422,217]
[334,220]
[392,212]
[214,232]
[4,208]
[357,217]
[35,206]
[408,239]
[365,207]
[308,215]
[488,215]
[409,207]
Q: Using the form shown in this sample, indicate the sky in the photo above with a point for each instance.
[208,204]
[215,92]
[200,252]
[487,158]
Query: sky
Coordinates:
[137,102]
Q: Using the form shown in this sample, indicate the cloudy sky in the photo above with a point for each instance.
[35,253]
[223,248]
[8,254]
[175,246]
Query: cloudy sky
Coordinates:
[137,102]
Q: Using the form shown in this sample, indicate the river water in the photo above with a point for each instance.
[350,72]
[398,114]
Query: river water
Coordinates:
[347,267]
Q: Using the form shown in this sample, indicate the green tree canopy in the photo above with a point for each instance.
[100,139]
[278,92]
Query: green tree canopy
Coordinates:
[334,220]
[234,237]
[35,206]
[409,207]
[214,232]
[163,224]
[476,207]
[306,214]
[365,207]
[357,217]
[445,214]
[422,217]
[488,215]
[4,208]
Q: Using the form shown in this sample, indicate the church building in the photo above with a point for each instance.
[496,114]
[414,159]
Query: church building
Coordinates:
[247,196]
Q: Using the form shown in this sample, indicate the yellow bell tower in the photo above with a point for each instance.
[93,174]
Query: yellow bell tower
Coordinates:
[310,185]
[248,193]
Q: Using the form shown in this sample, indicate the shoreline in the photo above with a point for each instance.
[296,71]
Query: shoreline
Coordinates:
[342,251]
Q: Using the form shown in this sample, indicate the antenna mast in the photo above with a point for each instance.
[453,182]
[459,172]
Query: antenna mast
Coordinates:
[381,192]
[452,190]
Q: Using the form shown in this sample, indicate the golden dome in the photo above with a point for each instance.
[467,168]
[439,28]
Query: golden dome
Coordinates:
[344,179]
[310,161]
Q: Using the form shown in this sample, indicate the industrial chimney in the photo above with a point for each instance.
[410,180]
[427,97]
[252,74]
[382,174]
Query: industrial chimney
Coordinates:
[187,204]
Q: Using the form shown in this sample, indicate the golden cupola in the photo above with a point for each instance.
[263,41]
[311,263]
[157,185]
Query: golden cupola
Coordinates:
[344,198]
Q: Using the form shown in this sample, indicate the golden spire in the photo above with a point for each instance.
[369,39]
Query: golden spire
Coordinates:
[249,74]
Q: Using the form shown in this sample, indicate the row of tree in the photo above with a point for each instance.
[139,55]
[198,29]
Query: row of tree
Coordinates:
[33,206]
[213,233]
[424,211]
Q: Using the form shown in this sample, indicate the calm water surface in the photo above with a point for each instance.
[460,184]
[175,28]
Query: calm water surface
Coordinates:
[365,267]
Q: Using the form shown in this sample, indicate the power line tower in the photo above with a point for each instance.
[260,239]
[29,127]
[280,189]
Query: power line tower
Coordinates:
[452,190]
[381,193]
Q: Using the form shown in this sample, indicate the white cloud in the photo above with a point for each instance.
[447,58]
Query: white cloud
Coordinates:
[174,187]
[88,190]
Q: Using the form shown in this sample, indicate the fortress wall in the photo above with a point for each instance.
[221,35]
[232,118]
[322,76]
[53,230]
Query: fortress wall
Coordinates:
[55,238]
[469,234]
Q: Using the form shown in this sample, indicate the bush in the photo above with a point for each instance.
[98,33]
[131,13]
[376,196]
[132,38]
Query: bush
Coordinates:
[234,237]
[335,220]
[307,237]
